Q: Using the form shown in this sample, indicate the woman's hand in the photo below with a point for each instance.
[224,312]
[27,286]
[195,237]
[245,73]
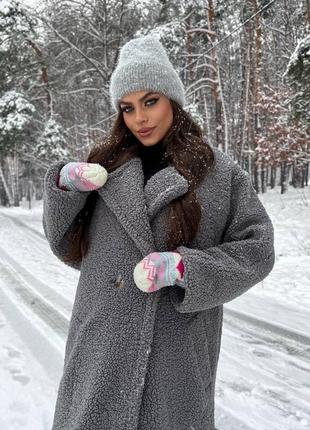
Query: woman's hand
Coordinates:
[157,270]
[79,176]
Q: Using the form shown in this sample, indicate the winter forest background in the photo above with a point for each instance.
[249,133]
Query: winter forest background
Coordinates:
[245,65]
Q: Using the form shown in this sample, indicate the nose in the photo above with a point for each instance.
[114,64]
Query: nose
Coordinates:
[140,115]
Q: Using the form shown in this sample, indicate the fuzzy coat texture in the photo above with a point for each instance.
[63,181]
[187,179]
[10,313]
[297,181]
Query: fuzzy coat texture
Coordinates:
[148,361]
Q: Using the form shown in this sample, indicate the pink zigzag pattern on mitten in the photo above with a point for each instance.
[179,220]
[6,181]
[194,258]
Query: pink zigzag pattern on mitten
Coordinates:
[71,177]
[160,273]
[79,176]
[157,270]
[150,267]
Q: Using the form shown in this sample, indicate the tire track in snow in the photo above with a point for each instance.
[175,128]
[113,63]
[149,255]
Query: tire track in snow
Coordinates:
[272,339]
[264,381]
[275,364]
[39,338]
[268,326]
[227,418]
[38,304]
[30,234]
[47,278]
[20,223]
[272,366]
[34,285]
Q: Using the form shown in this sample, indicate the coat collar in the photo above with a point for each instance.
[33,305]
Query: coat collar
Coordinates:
[134,204]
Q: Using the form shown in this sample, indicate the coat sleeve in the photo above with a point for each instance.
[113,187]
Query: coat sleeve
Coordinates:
[219,274]
[60,209]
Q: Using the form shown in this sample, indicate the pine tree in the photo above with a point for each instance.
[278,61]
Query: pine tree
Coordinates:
[297,74]
[51,144]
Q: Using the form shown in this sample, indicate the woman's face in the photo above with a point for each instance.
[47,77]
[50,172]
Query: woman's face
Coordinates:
[147,110]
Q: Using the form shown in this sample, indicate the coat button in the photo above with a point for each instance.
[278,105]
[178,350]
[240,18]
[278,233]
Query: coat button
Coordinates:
[119,282]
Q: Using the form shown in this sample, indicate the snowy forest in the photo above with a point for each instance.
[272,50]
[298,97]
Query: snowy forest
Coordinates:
[245,65]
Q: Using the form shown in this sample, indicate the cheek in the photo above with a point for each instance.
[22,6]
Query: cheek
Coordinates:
[128,123]
[166,116]
[169,117]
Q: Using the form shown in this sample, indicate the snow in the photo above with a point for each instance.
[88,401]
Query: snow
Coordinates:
[52,142]
[11,15]
[301,51]
[15,112]
[31,3]
[263,378]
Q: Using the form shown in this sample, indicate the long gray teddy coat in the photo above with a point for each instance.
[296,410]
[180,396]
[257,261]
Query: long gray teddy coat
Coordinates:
[147,361]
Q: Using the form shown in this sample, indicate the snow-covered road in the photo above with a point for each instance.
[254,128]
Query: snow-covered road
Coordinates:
[264,369]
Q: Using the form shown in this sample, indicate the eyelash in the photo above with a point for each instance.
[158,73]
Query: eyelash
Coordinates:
[149,100]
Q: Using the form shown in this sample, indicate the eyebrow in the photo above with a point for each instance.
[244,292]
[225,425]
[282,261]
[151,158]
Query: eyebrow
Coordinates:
[140,100]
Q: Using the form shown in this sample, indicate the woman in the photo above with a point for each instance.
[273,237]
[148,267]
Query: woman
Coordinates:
[167,230]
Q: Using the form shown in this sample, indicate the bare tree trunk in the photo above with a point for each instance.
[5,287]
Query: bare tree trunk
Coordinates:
[257,70]
[217,101]
[13,179]
[226,139]
[44,73]
[251,110]
[189,48]
[6,186]
[273,176]
[238,135]
[264,177]
[308,13]
[255,174]
[245,119]
[207,120]
[283,177]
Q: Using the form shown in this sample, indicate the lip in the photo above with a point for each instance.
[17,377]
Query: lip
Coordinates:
[145,131]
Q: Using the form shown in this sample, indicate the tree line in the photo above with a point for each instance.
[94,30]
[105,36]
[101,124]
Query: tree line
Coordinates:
[244,64]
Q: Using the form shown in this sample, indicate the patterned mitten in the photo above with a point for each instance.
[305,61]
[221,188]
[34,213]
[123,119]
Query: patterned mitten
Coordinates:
[77,176]
[159,269]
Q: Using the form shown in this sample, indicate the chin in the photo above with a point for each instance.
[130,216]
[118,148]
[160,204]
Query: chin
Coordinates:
[148,142]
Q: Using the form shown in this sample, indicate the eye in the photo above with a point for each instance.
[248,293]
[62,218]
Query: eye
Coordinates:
[124,109]
[152,100]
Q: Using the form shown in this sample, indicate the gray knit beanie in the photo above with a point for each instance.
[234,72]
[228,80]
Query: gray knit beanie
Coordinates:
[144,65]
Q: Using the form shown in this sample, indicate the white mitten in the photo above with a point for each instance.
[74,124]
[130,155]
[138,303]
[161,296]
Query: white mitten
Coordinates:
[79,176]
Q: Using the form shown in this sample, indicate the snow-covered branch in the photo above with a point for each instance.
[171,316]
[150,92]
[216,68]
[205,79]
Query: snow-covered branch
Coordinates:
[200,30]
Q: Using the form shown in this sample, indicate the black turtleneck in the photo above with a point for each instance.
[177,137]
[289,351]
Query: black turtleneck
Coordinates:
[152,159]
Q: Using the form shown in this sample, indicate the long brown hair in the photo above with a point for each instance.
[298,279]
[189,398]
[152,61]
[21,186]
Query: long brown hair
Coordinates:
[184,148]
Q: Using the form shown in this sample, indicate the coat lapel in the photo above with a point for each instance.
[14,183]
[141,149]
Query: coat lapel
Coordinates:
[163,187]
[135,205]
